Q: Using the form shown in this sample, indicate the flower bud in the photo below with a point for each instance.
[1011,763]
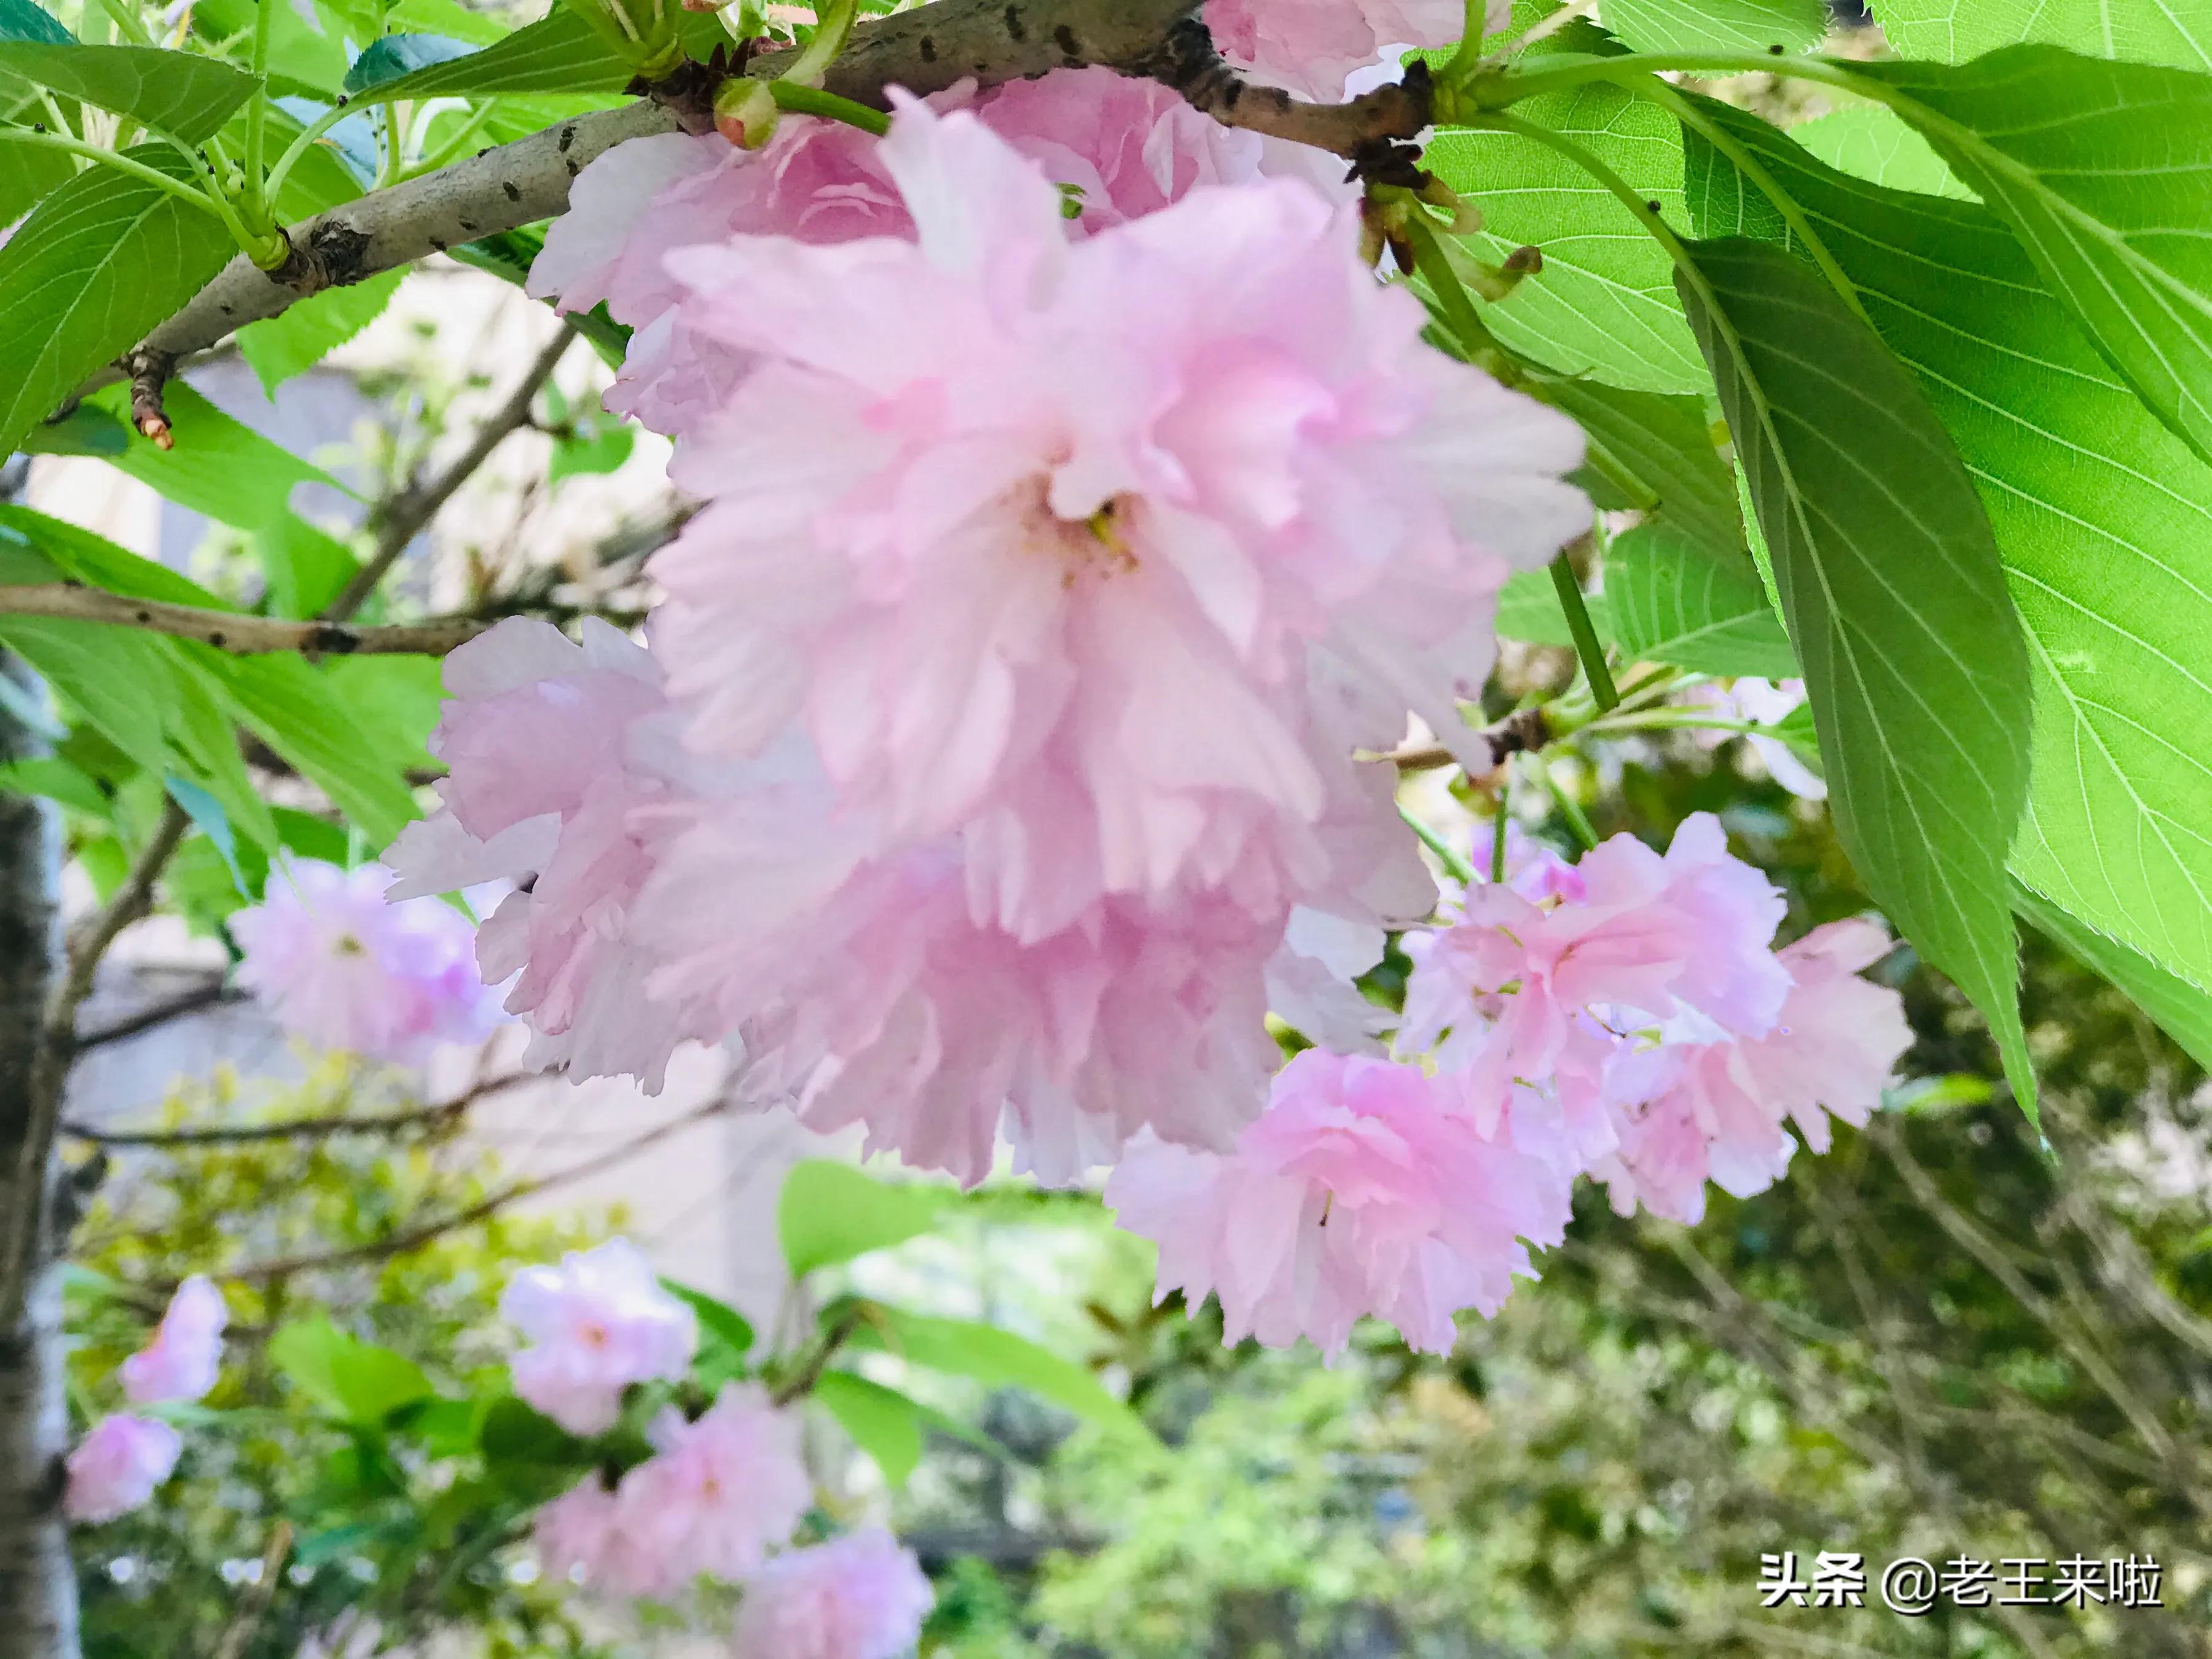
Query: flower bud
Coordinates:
[745,112]
[1494,282]
[644,33]
[1465,218]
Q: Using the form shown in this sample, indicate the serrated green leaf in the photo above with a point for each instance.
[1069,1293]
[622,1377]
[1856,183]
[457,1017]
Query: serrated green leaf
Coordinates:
[1604,304]
[2183,1011]
[1874,144]
[87,430]
[307,330]
[1716,25]
[20,20]
[2103,172]
[97,264]
[2176,32]
[361,1381]
[1672,602]
[27,176]
[179,93]
[301,57]
[997,1359]
[558,53]
[2104,521]
[1896,601]
[829,1212]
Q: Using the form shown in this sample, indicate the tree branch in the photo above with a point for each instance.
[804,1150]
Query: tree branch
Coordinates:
[408,511]
[301,1128]
[410,1239]
[925,50]
[209,995]
[34,1195]
[235,632]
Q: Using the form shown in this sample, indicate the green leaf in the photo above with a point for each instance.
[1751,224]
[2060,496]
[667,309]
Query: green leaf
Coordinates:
[726,1336]
[1875,144]
[27,176]
[1604,304]
[361,1382]
[57,780]
[86,430]
[1528,611]
[1896,602]
[396,55]
[1672,602]
[448,17]
[2103,172]
[997,1359]
[599,443]
[2176,32]
[21,21]
[2183,1011]
[1717,25]
[301,57]
[558,53]
[206,812]
[1660,454]
[220,466]
[179,93]
[97,264]
[883,1422]
[830,1213]
[513,1432]
[307,330]
[2104,521]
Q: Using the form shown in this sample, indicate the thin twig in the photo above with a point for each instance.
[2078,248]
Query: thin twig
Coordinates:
[1522,731]
[209,995]
[232,631]
[32,1208]
[301,1128]
[404,516]
[412,1239]
[802,1382]
[253,1605]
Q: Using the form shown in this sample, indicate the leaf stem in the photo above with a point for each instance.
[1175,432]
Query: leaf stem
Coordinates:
[815,57]
[257,117]
[464,136]
[299,146]
[137,169]
[1455,866]
[798,100]
[1587,646]
[1498,824]
[127,21]
[1570,808]
[1477,92]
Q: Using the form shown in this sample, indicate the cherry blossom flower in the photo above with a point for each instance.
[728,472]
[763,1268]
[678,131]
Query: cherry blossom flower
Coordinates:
[1689,1112]
[182,1361]
[1761,702]
[116,1467]
[1497,994]
[598,1322]
[1116,548]
[1124,147]
[860,1596]
[340,967]
[1312,46]
[720,1491]
[1362,1190]
[550,749]
[584,1536]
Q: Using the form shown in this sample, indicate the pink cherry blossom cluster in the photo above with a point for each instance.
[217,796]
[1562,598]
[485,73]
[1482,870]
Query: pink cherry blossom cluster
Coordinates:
[341,968]
[118,1464]
[1624,1016]
[720,1491]
[992,766]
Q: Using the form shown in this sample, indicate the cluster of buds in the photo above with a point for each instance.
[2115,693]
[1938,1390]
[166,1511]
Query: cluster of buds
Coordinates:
[646,35]
[1390,211]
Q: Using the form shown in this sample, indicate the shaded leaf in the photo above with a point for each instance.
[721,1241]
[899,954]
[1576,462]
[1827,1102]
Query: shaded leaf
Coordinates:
[307,330]
[1896,602]
[179,93]
[2176,32]
[2183,1011]
[997,1359]
[357,1379]
[829,1212]
[1716,25]
[1671,602]
[396,55]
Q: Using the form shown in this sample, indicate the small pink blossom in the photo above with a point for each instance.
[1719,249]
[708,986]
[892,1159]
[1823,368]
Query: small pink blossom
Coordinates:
[1689,1112]
[1118,547]
[1496,993]
[597,1323]
[182,1361]
[584,1536]
[860,1596]
[1362,1190]
[115,1468]
[719,1492]
[553,761]
[1312,46]
[342,968]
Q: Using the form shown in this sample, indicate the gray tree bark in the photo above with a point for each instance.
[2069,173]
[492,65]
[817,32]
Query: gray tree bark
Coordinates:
[38,1584]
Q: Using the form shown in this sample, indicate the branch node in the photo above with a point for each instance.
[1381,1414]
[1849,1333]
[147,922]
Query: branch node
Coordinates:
[150,371]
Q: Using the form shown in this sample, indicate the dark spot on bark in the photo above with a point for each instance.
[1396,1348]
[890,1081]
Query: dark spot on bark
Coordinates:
[573,168]
[227,309]
[469,226]
[332,640]
[1016,31]
[216,638]
[145,616]
[438,244]
[1282,99]
[512,194]
[1064,39]
[929,49]
[568,138]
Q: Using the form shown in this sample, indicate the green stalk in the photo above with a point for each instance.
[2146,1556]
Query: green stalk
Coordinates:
[1498,824]
[1454,865]
[1471,94]
[464,136]
[257,116]
[176,187]
[127,21]
[1587,646]
[815,57]
[300,145]
[1570,808]
[800,100]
